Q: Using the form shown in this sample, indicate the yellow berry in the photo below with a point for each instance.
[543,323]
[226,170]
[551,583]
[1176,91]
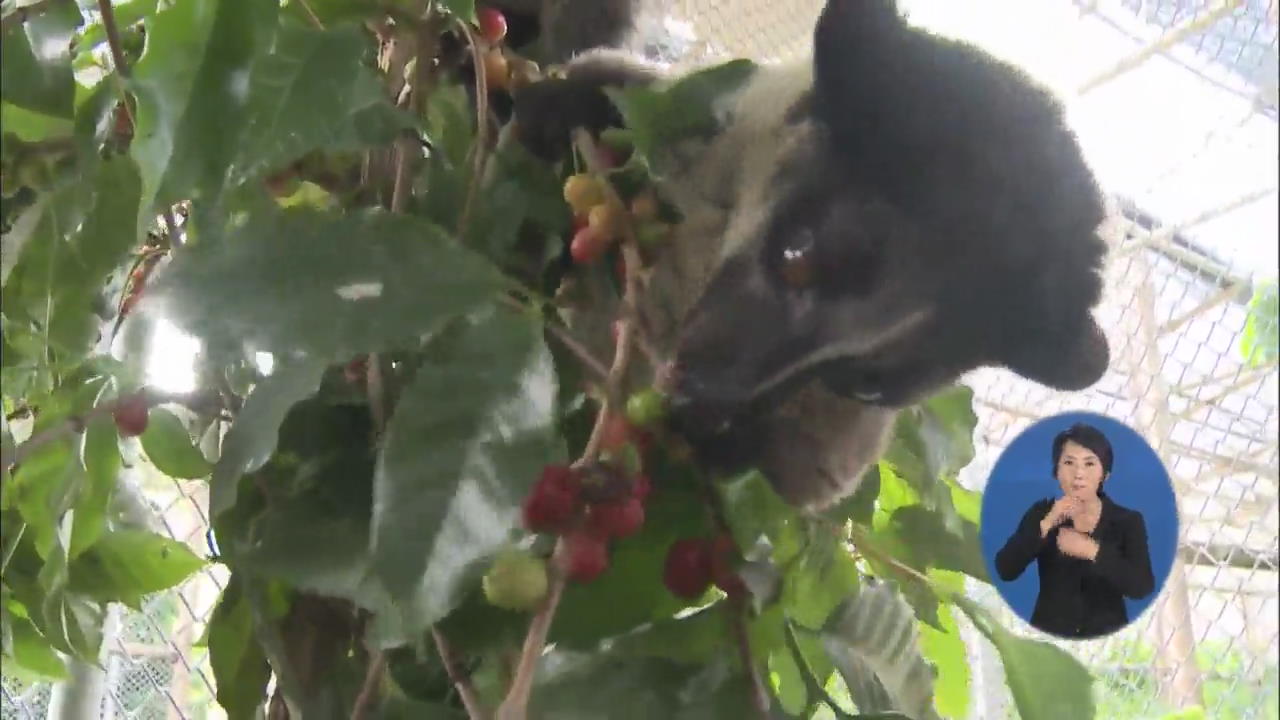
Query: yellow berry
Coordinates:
[582,192]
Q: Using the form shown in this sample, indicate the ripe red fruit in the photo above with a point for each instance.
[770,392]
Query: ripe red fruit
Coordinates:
[586,246]
[587,556]
[642,487]
[553,502]
[131,415]
[493,25]
[616,519]
[724,558]
[687,569]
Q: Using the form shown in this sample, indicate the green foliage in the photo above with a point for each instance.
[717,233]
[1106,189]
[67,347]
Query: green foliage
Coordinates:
[363,479]
[1260,343]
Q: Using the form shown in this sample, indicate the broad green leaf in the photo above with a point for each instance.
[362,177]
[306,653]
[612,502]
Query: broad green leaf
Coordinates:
[924,542]
[876,633]
[860,506]
[126,564]
[467,441]
[327,284]
[192,84]
[945,650]
[240,668]
[73,624]
[35,61]
[31,126]
[314,90]
[331,12]
[1046,681]
[817,582]
[947,422]
[753,509]
[100,457]
[169,447]
[43,488]
[787,682]
[81,235]
[32,652]
[695,638]
[126,14]
[252,438]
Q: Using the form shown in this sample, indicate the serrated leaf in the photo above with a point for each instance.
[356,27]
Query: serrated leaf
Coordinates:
[468,439]
[169,447]
[32,652]
[81,233]
[240,668]
[252,438]
[327,284]
[1046,681]
[100,457]
[313,90]
[35,61]
[126,564]
[945,650]
[191,85]
[876,633]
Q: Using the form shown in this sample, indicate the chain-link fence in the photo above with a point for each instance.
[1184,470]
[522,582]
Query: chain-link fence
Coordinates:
[1175,102]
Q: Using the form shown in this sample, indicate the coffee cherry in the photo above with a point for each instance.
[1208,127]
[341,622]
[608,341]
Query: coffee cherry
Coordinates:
[495,69]
[516,581]
[605,221]
[587,556]
[582,192]
[131,416]
[493,25]
[687,569]
[645,407]
[616,519]
[724,558]
[553,502]
[587,246]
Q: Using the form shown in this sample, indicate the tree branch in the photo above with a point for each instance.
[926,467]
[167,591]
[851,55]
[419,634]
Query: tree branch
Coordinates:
[369,690]
[471,701]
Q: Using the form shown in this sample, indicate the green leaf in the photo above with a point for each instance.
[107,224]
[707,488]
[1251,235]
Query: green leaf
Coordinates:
[873,642]
[100,457]
[192,85]
[327,284]
[43,489]
[945,650]
[80,235]
[240,668]
[332,12]
[169,447]
[694,638]
[31,126]
[35,61]
[1260,342]
[32,652]
[820,579]
[787,682]
[126,14]
[126,564]
[73,624]
[924,542]
[753,509]
[1046,681]
[467,441]
[314,90]
[252,438]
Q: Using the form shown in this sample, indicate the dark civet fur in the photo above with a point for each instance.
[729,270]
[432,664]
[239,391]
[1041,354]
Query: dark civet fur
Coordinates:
[949,212]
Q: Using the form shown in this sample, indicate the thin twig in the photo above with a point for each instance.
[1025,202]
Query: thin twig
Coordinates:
[470,701]
[172,227]
[369,690]
[514,707]
[117,58]
[737,609]
[24,13]
[806,672]
[481,148]
[12,546]
[311,14]
[571,343]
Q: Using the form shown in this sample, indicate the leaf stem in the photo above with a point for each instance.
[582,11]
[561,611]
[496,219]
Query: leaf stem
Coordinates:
[481,147]
[12,546]
[475,709]
[806,671]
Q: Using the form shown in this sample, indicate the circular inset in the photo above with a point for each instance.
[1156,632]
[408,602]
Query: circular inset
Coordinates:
[1079,525]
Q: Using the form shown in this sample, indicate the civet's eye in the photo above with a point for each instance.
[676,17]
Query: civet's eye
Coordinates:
[798,261]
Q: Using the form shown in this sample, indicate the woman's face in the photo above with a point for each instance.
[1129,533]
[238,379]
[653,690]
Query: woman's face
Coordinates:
[1079,471]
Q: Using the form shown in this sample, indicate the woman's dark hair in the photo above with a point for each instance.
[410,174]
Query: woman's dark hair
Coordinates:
[1086,436]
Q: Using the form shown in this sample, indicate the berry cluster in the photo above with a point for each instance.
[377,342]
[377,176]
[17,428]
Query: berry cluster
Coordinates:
[586,506]
[694,564]
[503,69]
[597,224]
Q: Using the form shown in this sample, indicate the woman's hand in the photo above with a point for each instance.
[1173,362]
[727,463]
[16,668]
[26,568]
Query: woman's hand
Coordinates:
[1061,510]
[1077,544]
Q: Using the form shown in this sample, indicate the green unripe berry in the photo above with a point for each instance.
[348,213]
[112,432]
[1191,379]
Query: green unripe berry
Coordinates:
[645,407]
[516,581]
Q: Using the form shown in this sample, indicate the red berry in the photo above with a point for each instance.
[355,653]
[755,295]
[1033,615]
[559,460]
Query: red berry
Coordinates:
[616,519]
[553,502]
[587,247]
[493,25]
[724,557]
[131,415]
[642,487]
[687,569]
[587,556]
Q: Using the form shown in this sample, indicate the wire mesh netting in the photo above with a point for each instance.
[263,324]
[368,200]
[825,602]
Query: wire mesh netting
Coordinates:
[1175,103]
